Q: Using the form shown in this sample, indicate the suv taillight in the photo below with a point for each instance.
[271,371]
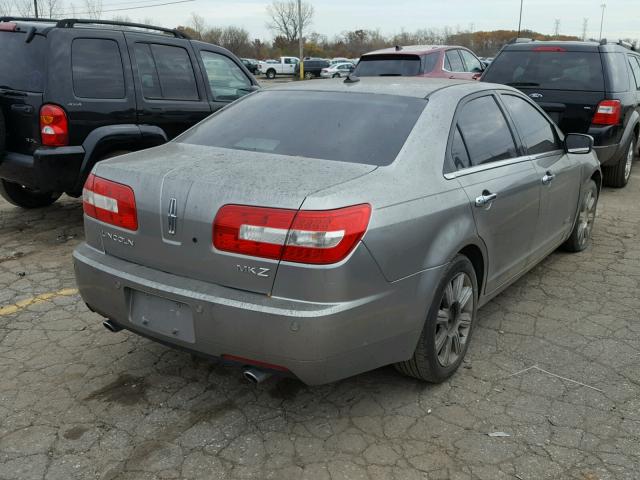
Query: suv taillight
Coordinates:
[110,202]
[307,236]
[54,128]
[607,113]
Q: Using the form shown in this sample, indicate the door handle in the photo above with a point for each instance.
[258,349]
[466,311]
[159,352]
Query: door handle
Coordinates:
[486,199]
[548,178]
[22,108]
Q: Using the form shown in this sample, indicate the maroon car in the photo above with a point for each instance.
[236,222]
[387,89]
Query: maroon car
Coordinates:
[421,61]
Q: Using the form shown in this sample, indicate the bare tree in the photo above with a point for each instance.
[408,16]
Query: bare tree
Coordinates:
[51,8]
[5,7]
[284,18]
[24,8]
[93,8]
[198,24]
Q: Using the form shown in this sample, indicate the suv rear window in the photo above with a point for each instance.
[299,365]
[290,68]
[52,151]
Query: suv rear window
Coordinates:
[548,70]
[356,128]
[22,65]
[395,65]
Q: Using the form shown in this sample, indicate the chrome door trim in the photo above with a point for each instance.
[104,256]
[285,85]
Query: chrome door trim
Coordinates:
[486,166]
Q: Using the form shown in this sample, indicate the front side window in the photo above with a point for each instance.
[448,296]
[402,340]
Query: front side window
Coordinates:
[485,132]
[537,133]
[356,128]
[635,68]
[472,64]
[453,62]
[97,68]
[226,79]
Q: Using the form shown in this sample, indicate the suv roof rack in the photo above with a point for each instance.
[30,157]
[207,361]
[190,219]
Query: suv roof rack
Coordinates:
[27,19]
[70,22]
[622,43]
[521,40]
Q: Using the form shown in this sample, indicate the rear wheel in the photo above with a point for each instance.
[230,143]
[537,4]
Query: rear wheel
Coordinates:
[618,175]
[336,75]
[447,331]
[24,197]
[308,75]
[581,235]
[271,74]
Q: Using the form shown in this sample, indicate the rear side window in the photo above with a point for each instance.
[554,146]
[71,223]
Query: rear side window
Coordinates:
[166,72]
[22,65]
[618,71]
[459,151]
[485,132]
[388,66]
[537,133]
[548,70]
[97,68]
[453,62]
[356,128]
[635,68]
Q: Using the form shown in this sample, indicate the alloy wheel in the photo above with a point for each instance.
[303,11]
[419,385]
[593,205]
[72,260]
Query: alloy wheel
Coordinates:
[455,315]
[629,162]
[586,217]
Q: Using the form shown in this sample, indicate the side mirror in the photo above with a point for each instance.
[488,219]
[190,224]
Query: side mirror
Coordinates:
[578,143]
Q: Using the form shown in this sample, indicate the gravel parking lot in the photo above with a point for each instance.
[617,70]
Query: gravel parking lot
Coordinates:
[554,364]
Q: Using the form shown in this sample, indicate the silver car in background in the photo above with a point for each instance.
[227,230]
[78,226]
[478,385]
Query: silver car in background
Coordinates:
[323,246]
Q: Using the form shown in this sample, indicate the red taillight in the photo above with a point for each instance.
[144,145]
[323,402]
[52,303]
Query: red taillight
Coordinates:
[110,202]
[607,113]
[8,27]
[307,236]
[54,128]
[549,49]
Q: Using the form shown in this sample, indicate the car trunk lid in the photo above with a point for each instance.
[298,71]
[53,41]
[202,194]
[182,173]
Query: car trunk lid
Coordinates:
[177,200]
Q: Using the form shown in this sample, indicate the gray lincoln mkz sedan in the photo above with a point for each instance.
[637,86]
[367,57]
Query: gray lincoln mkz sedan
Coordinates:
[325,244]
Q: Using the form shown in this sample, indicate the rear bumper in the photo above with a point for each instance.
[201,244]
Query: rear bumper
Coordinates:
[316,342]
[609,143]
[54,169]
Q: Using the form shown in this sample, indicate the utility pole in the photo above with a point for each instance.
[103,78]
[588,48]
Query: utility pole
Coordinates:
[585,25]
[300,41]
[520,21]
[603,6]
[556,28]
[35,6]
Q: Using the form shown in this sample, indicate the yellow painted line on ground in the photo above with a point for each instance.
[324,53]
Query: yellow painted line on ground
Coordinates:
[43,297]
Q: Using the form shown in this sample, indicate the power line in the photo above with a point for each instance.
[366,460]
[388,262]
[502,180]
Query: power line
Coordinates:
[130,8]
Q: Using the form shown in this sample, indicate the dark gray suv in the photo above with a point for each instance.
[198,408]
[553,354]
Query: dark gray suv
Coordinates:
[586,87]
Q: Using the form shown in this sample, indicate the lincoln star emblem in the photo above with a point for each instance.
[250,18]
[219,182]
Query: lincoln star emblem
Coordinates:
[173,216]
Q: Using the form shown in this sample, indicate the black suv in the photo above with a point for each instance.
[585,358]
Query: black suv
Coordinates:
[74,92]
[312,68]
[586,87]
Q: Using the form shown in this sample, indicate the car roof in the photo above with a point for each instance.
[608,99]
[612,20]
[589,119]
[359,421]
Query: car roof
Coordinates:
[417,87]
[411,49]
[570,45]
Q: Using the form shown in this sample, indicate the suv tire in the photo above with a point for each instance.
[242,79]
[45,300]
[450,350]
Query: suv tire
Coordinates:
[431,362]
[618,175]
[271,74]
[3,134]
[20,196]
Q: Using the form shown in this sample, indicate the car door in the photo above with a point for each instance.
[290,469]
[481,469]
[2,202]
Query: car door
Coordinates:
[289,66]
[454,65]
[226,80]
[169,88]
[501,182]
[558,173]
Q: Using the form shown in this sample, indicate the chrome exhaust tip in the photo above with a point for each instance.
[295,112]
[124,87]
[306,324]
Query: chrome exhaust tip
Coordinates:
[255,376]
[111,326]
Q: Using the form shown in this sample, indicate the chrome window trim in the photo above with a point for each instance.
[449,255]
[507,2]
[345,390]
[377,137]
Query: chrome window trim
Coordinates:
[547,154]
[487,166]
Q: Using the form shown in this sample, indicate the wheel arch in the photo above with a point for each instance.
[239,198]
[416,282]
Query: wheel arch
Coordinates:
[477,259]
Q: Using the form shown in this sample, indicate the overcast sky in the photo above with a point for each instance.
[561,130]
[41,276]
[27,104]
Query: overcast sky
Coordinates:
[622,17]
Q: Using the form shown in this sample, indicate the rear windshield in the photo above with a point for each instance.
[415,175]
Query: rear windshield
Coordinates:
[395,65]
[548,70]
[347,127]
[22,65]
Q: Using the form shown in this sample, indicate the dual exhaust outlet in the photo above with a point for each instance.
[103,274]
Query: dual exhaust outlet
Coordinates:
[251,374]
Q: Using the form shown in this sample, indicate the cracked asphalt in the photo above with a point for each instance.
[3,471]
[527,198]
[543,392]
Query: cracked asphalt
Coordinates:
[77,402]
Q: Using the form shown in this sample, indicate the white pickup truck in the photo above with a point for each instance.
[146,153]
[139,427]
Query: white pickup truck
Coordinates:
[283,66]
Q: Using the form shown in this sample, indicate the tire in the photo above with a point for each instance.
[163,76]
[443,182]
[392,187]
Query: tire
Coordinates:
[3,134]
[336,75]
[581,235]
[24,197]
[617,175]
[308,75]
[446,320]
[271,74]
